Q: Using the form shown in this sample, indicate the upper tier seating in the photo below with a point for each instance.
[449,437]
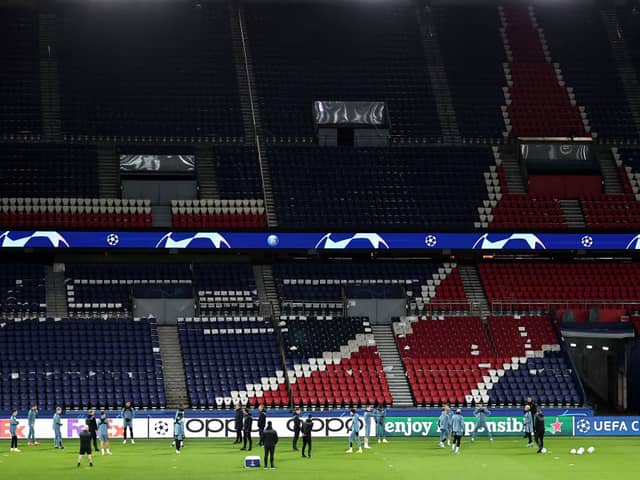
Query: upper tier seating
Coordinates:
[391,188]
[22,289]
[86,213]
[539,286]
[578,41]
[470,42]
[50,170]
[333,362]
[19,72]
[236,214]
[80,363]
[629,20]
[339,52]
[238,172]
[108,288]
[226,288]
[121,80]
[232,359]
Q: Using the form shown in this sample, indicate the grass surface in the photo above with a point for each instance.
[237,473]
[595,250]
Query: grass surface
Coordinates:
[401,458]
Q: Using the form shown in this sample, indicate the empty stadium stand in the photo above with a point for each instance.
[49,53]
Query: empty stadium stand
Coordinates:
[232,359]
[226,289]
[333,362]
[20,111]
[392,188]
[80,363]
[339,52]
[120,81]
[233,214]
[22,289]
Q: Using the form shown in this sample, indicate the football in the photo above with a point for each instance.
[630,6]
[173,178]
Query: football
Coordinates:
[591,449]
[161,427]
[573,451]
[580,451]
[544,450]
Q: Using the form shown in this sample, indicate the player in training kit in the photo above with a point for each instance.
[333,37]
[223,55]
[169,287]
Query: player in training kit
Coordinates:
[307,431]
[128,414]
[381,415]
[297,425]
[57,425]
[269,441]
[85,445]
[180,411]
[444,425]
[178,431]
[539,429]
[246,430]
[103,433]
[93,428]
[528,425]
[354,434]
[31,420]
[368,419]
[450,415]
[481,413]
[13,431]
[457,427]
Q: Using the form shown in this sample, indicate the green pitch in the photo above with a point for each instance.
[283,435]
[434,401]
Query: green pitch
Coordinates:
[401,458]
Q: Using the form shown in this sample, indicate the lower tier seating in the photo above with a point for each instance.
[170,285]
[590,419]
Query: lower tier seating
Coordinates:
[80,363]
[22,289]
[232,359]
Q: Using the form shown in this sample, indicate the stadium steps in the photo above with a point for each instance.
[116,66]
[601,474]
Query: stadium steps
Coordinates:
[610,175]
[573,215]
[56,294]
[264,277]
[172,366]
[392,364]
[206,171]
[265,307]
[624,64]
[108,171]
[245,75]
[438,76]
[474,290]
[267,188]
[512,170]
[161,216]
[49,78]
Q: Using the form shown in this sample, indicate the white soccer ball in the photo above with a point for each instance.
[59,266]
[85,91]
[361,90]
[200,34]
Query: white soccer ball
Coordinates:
[544,450]
[580,451]
[573,451]
[591,449]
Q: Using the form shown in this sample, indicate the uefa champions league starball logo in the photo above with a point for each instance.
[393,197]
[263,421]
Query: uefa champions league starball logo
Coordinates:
[332,241]
[583,425]
[34,239]
[113,240]
[587,241]
[515,241]
[193,240]
[161,427]
[430,241]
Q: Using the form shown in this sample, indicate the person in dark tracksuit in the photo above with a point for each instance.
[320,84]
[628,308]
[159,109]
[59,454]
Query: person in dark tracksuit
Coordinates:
[262,421]
[246,430]
[539,430]
[238,424]
[269,441]
[297,425]
[307,429]
[85,445]
[13,431]
[93,428]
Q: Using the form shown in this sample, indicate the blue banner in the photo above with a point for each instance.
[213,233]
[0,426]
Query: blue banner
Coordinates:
[318,241]
[606,426]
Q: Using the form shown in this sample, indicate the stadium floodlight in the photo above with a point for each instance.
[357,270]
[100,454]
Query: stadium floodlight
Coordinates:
[573,345]
[605,348]
[589,347]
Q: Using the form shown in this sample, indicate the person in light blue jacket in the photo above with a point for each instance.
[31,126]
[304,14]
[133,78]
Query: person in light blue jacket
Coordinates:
[178,431]
[368,420]
[57,425]
[31,420]
[457,426]
[13,430]
[444,424]
[381,416]
[128,414]
[481,413]
[528,425]
[354,434]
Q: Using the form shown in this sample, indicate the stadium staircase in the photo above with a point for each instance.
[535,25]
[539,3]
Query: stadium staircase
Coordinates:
[265,272]
[49,78]
[538,104]
[206,171]
[56,292]
[392,363]
[610,174]
[623,62]
[512,170]
[172,366]
[474,290]
[573,214]
[267,188]
[438,77]
[108,171]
